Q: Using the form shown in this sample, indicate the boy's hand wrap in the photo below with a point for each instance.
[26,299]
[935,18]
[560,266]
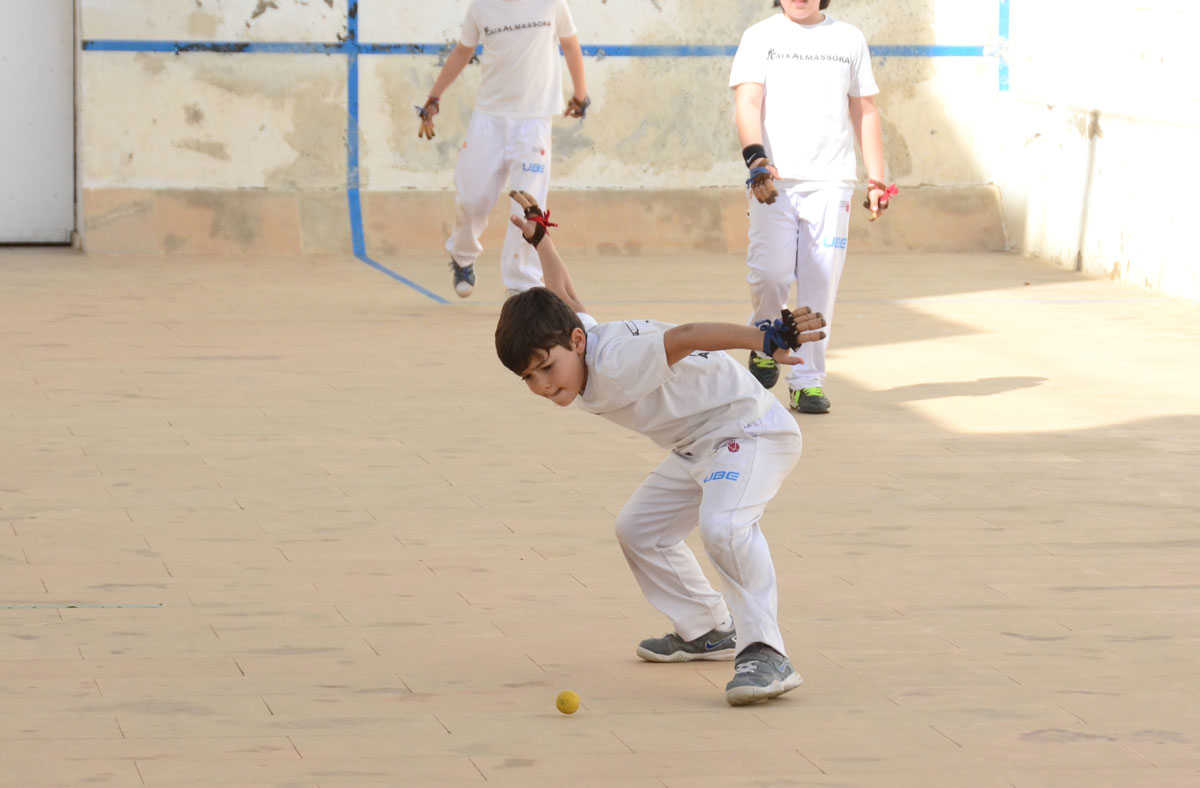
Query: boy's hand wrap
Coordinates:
[534,214]
[762,182]
[577,108]
[780,335]
[426,114]
[884,199]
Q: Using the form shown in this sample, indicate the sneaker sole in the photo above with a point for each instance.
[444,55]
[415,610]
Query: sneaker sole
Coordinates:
[741,696]
[686,656]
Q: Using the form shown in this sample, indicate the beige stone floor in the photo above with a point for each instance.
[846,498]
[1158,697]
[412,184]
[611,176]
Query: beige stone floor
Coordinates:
[289,523]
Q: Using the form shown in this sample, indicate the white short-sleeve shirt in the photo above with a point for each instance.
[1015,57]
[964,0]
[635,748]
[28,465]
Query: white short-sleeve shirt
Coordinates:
[522,71]
[808,74]
[703,399]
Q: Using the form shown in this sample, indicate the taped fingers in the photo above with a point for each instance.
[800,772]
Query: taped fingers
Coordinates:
[527,202]
[426,113]
[811,322]
[762,181]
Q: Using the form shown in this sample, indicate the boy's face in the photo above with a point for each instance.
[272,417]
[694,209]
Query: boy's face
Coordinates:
[558,374]
[806,12]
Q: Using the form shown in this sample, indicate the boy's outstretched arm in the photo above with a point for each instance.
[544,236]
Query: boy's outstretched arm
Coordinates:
[455,63]
[791,331]
[554,270]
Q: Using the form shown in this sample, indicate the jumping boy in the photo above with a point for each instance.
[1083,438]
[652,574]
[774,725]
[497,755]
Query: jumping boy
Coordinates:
[803,90]
[731,446]
[508,138]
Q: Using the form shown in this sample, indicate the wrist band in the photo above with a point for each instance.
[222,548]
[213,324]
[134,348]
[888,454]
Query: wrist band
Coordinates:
[754,173]
[752,153]
[542,220]
[774,336]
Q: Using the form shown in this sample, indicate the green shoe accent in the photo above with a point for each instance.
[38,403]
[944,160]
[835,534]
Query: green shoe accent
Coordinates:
[764,369]
[810,399]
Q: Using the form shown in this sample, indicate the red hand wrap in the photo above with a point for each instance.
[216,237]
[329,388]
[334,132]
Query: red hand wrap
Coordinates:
[543,220]
[888,191]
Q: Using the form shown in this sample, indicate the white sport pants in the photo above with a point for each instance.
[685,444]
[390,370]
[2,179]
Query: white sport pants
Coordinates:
[725,494]
[499,151]
[800,240]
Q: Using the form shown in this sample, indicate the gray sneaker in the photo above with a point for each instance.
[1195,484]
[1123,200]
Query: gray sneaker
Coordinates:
[464,278]
[810,399]
[760,672]
[764,369]
[713,644]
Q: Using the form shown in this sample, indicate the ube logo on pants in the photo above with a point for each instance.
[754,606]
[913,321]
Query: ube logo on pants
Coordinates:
[835,243]
[716,476]
[533,167]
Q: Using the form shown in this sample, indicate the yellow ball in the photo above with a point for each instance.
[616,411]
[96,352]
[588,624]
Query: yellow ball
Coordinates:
[567,702]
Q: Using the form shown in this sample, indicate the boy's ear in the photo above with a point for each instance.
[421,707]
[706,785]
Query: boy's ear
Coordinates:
[578,340]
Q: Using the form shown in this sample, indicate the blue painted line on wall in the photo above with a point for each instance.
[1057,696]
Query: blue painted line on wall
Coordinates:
[226,47]
[1002,55]
[353,195]
[352,47]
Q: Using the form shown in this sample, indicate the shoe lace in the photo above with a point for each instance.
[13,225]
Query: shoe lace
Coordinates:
[749,666]
[812,391]
[763,362]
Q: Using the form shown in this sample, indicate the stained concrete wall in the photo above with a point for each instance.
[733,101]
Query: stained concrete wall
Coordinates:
[1093,148]
[235,142]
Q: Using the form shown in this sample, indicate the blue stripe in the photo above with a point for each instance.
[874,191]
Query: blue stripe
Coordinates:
[353,196]
[1005,28]
[227,47]
[352,182]
[889,50]
[351,46]
[658,50]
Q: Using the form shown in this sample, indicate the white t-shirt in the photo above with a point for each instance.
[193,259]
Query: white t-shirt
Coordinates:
[705,398]
[522,74]
[808,74]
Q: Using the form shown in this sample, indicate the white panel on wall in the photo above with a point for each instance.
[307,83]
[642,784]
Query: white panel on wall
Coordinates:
[37,125]
[215,20]
[409,22]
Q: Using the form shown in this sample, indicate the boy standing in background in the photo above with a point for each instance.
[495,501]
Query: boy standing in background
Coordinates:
[803,89]
[508,138]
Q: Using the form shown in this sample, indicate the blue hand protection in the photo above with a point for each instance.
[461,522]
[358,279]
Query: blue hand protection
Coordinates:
[779,335]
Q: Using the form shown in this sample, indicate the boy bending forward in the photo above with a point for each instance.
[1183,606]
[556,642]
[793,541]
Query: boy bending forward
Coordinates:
[731,446]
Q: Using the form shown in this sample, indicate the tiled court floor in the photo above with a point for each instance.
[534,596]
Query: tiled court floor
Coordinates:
[290,523]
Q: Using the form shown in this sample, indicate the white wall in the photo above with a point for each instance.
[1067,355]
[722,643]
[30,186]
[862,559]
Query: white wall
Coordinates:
[37,124]
[251,121]
[1093,148]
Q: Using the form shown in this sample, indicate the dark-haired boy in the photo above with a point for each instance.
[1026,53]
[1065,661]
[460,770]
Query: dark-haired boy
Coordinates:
[731,446]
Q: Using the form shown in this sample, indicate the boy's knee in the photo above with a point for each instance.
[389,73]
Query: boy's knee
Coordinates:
[626,530]
[761,279]
[716,532]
